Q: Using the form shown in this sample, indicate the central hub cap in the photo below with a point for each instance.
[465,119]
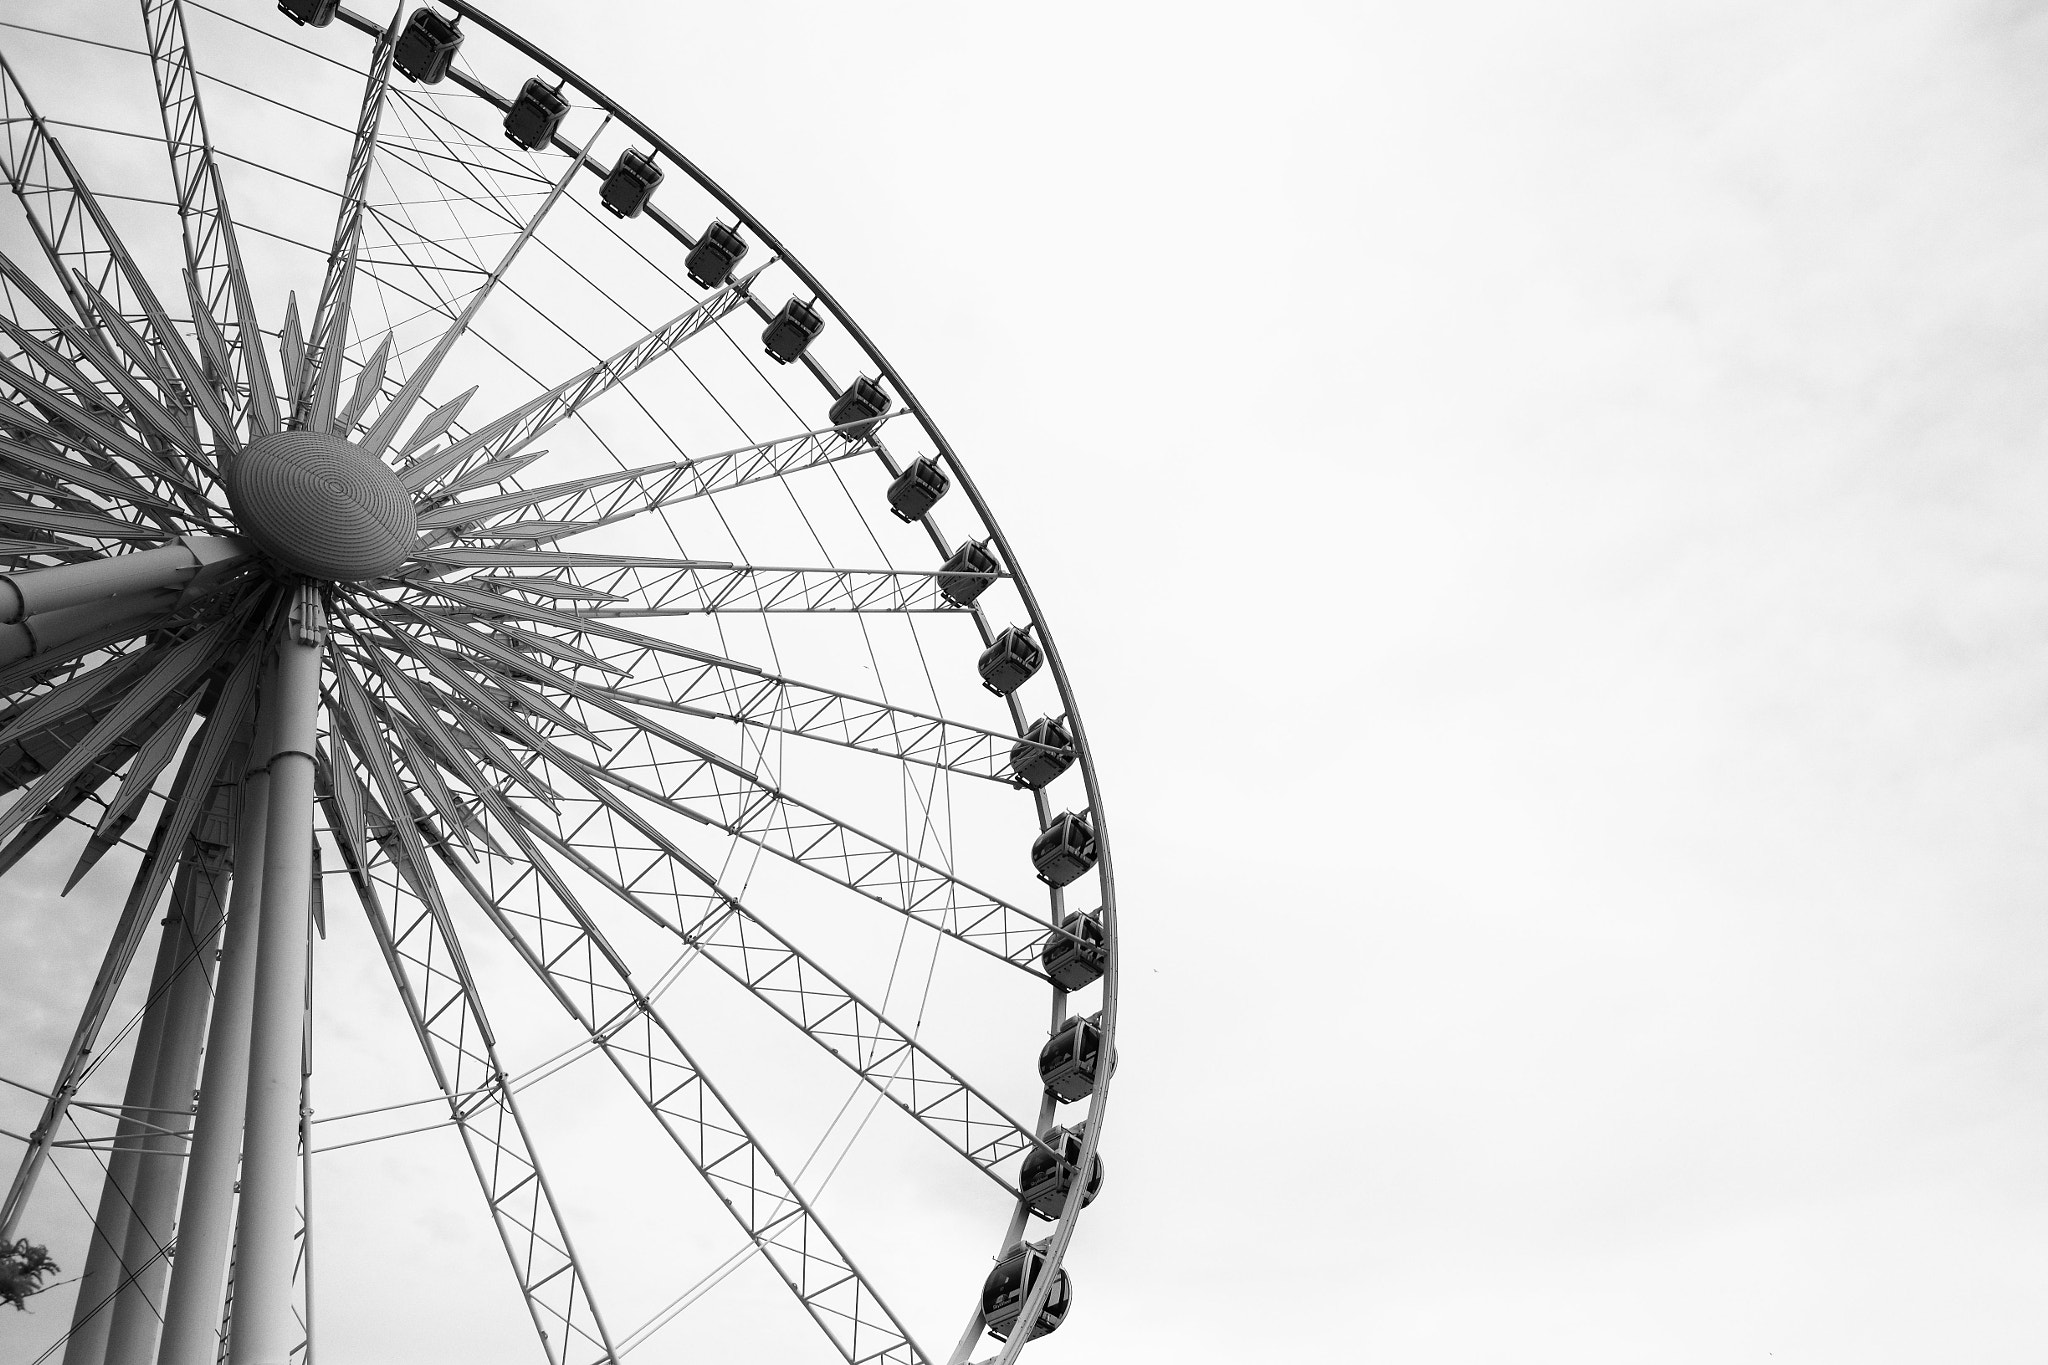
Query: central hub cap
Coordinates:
[318,505]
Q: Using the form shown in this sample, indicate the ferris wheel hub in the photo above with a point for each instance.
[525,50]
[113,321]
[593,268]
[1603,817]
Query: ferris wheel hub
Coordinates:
[318,505]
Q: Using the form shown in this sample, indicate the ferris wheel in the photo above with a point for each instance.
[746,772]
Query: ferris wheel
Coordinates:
[558,693]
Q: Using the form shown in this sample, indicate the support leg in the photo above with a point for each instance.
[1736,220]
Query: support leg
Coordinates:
[262,1328]
[206,1220]
[92,1316]
[197,900]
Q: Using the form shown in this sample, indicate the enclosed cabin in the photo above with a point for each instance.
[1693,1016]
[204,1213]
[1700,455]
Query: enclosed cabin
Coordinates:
[1077,955]
[631,184]
[710,262]
[918,489]
[1050,1172]
[1004,1291]
[533,118]
[1010,659]
[1069,1060]
[967,573]
[318,13]
[1065,850]
[1043,752]
[426,49]
[790,332]
[858,409]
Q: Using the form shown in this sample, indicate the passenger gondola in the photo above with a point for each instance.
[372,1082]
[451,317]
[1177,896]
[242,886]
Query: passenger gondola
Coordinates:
[631,184]
[318,13]
[1004,1291]
[1011,658]
[1068,1061]
[918,489]
[426,48]
[790,332]
[1049,1172]
[1065,850]
[710,262]
[533,118]
[1076,956]
[1044,751]
[856,411]
[967,573]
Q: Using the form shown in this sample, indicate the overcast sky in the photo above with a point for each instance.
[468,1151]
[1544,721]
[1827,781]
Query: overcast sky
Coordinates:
[1539,505]
[1542,517]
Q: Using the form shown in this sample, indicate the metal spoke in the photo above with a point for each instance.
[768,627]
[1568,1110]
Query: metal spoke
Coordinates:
[756,812]
[198,773]
[709,789]
[181,666]
[441,1001]
[623,587]
[542,515]
[103,281]
[218,283]
[191,385]
[676,678]
[507,436]
[73,416]
[854,1032]
[385,429]
[320,376]
[777,972]
[790,707]
[41,178]
[168,434]
[149,761]
[562,947]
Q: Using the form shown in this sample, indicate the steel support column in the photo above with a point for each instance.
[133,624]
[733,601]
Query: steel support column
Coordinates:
[175,569]
[92,1315]
[206,1220]
[197,900]
[262,1327]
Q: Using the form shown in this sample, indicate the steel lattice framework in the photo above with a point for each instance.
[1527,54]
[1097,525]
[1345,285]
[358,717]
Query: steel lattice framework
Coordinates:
[367,596]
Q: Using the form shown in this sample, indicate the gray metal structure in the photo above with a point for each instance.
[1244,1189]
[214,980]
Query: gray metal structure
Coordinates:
[290,598]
